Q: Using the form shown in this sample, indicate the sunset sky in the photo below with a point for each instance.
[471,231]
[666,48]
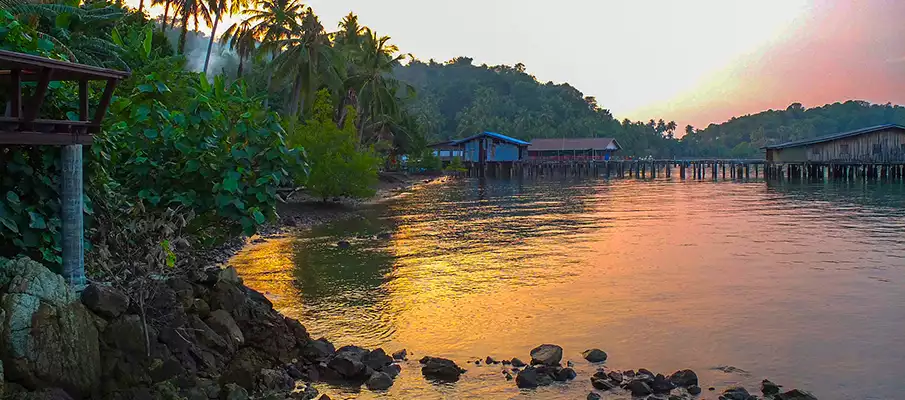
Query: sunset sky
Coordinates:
[692,61]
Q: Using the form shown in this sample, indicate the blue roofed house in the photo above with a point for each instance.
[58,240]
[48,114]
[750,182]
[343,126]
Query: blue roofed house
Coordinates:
[492,147]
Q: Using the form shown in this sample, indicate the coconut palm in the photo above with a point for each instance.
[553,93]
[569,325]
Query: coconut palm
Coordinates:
[192,10]
[272,22]
[166,12]
[219,8]
[239,38]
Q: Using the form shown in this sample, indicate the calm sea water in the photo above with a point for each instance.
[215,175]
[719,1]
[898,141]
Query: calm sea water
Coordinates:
[800,283]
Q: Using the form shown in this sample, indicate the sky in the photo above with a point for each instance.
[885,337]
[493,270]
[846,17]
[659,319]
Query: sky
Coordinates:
[692,61]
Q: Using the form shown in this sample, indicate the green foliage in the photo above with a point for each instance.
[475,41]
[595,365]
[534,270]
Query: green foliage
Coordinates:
[338,167]
[456,165]
[220,154]
[15,36]
[425,161]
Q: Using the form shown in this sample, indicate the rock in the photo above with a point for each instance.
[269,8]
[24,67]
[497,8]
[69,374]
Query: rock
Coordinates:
[65,354]
[517,363]
[347,364]
[490,360]
[440,369]
[601,383]
[594,355]
[226,296]
[43,394]
[272,380]
[735,393]
[105,301]
[546,354]
[307,393]
[384,236]
[258,297]
[684,378]
[795,394]
[527,378]
[342,244]
[400,355]
[639,388]
[694,390]
[224,324]
[170,368]
[477,362]
[244,367]
[565,374]
[769,388]
[379,381]
[615,376]
[661,385]
[201,308]
[232,391]
[294,372]
[644,375]
[229,275]
[318,349]
[593,396]
[184,291]
[392,370]
[206,335]
[377,359]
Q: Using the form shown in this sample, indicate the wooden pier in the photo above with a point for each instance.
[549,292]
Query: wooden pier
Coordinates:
[713,169]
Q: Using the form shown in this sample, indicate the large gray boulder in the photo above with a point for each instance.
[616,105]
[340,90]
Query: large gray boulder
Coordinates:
[546,354]
[105,300]
[224,324]
[64,353]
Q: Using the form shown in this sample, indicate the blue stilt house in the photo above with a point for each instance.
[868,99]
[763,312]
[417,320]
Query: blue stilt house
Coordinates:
[491,147]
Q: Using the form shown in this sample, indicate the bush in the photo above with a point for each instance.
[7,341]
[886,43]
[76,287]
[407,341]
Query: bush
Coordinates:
[427,161]
[456,165]
[337,166]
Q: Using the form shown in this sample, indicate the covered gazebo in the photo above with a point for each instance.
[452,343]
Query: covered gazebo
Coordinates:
[22,125]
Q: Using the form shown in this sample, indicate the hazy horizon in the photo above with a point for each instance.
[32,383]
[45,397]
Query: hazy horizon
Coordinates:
[695,62]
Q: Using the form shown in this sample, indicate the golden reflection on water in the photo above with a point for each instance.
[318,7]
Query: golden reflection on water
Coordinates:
[663,275]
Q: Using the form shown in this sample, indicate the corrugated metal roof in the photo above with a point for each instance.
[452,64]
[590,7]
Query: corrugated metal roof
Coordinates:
[572,144]
[834,136]
[493,135]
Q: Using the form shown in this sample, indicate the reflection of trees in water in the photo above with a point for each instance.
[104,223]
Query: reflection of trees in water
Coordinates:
[844,194]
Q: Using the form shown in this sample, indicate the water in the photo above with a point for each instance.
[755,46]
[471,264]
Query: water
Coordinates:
[800,283]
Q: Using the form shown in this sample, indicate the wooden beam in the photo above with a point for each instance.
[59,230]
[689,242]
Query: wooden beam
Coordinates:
[15,94]
[105,100]
[34,104]
[38,138]
[83,100]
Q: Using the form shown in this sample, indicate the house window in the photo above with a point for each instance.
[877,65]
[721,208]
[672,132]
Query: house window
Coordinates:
[878,149]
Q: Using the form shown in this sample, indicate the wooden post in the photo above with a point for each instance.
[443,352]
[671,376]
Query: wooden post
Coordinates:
[73,230]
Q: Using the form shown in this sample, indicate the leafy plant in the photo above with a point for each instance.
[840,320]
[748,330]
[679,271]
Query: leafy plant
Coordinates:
[455,165]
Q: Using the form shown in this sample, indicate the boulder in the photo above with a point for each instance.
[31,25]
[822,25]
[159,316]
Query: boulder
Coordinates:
[343,244]
[565,374]
[593,396]
[639,388]
[224,324]
[229,275]
[377,359]
[349,362]
[594,355]
[735,393]
[661,385]
[184,291]
[226,296]
[795,394]
[517,363]
[440,369]
[244,367]
[684,378]
[232,391]
[319,349]
[400,355]
[258,297]
[615,376]
[273,380]
[201,308]
[43,394]
[105,301]
[602,383]
[393,370]
[769,388]
[693,390]
[527,378]
[65,354]
[546,354]
[379,381]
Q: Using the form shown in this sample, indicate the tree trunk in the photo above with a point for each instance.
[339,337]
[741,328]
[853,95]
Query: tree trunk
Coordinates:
[239,69]
[210,44]
[166,13]
[185,30]
[141,6]
[292,107]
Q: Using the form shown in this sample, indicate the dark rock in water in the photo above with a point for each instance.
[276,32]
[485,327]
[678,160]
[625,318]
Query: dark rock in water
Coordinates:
[565,374]
[546,354]
[735,393]
[294,372]
[318,349]
[440,369]
[384,236]
[615,376]
[769,388]
[477,362]
[244,367]
[639,388]
[379,381]
[105,300]
[400,355]
[683,378]
[507,375]
[308,393]
[711,388]
[392,370]
[694,389]
[601,383]
[795,394]
[644,375]
[324,397]
[594,355]
[593,396]
[224,324]
[661,385]
[377,359]
[348,361]
[490,360]
[506,362]
[272,380]
[527,378]
[342,244]
[517,363]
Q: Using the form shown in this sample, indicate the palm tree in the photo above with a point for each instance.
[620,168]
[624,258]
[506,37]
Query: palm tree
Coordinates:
[219,7]
[166,12]
[192,10]
[350,34]
[240,40]
[309,59]
[272,22]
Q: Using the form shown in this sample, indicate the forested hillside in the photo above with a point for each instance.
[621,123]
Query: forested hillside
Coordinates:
[744,136]
[458,98]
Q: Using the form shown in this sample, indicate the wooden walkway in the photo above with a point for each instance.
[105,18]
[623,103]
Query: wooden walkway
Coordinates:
[699,169]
